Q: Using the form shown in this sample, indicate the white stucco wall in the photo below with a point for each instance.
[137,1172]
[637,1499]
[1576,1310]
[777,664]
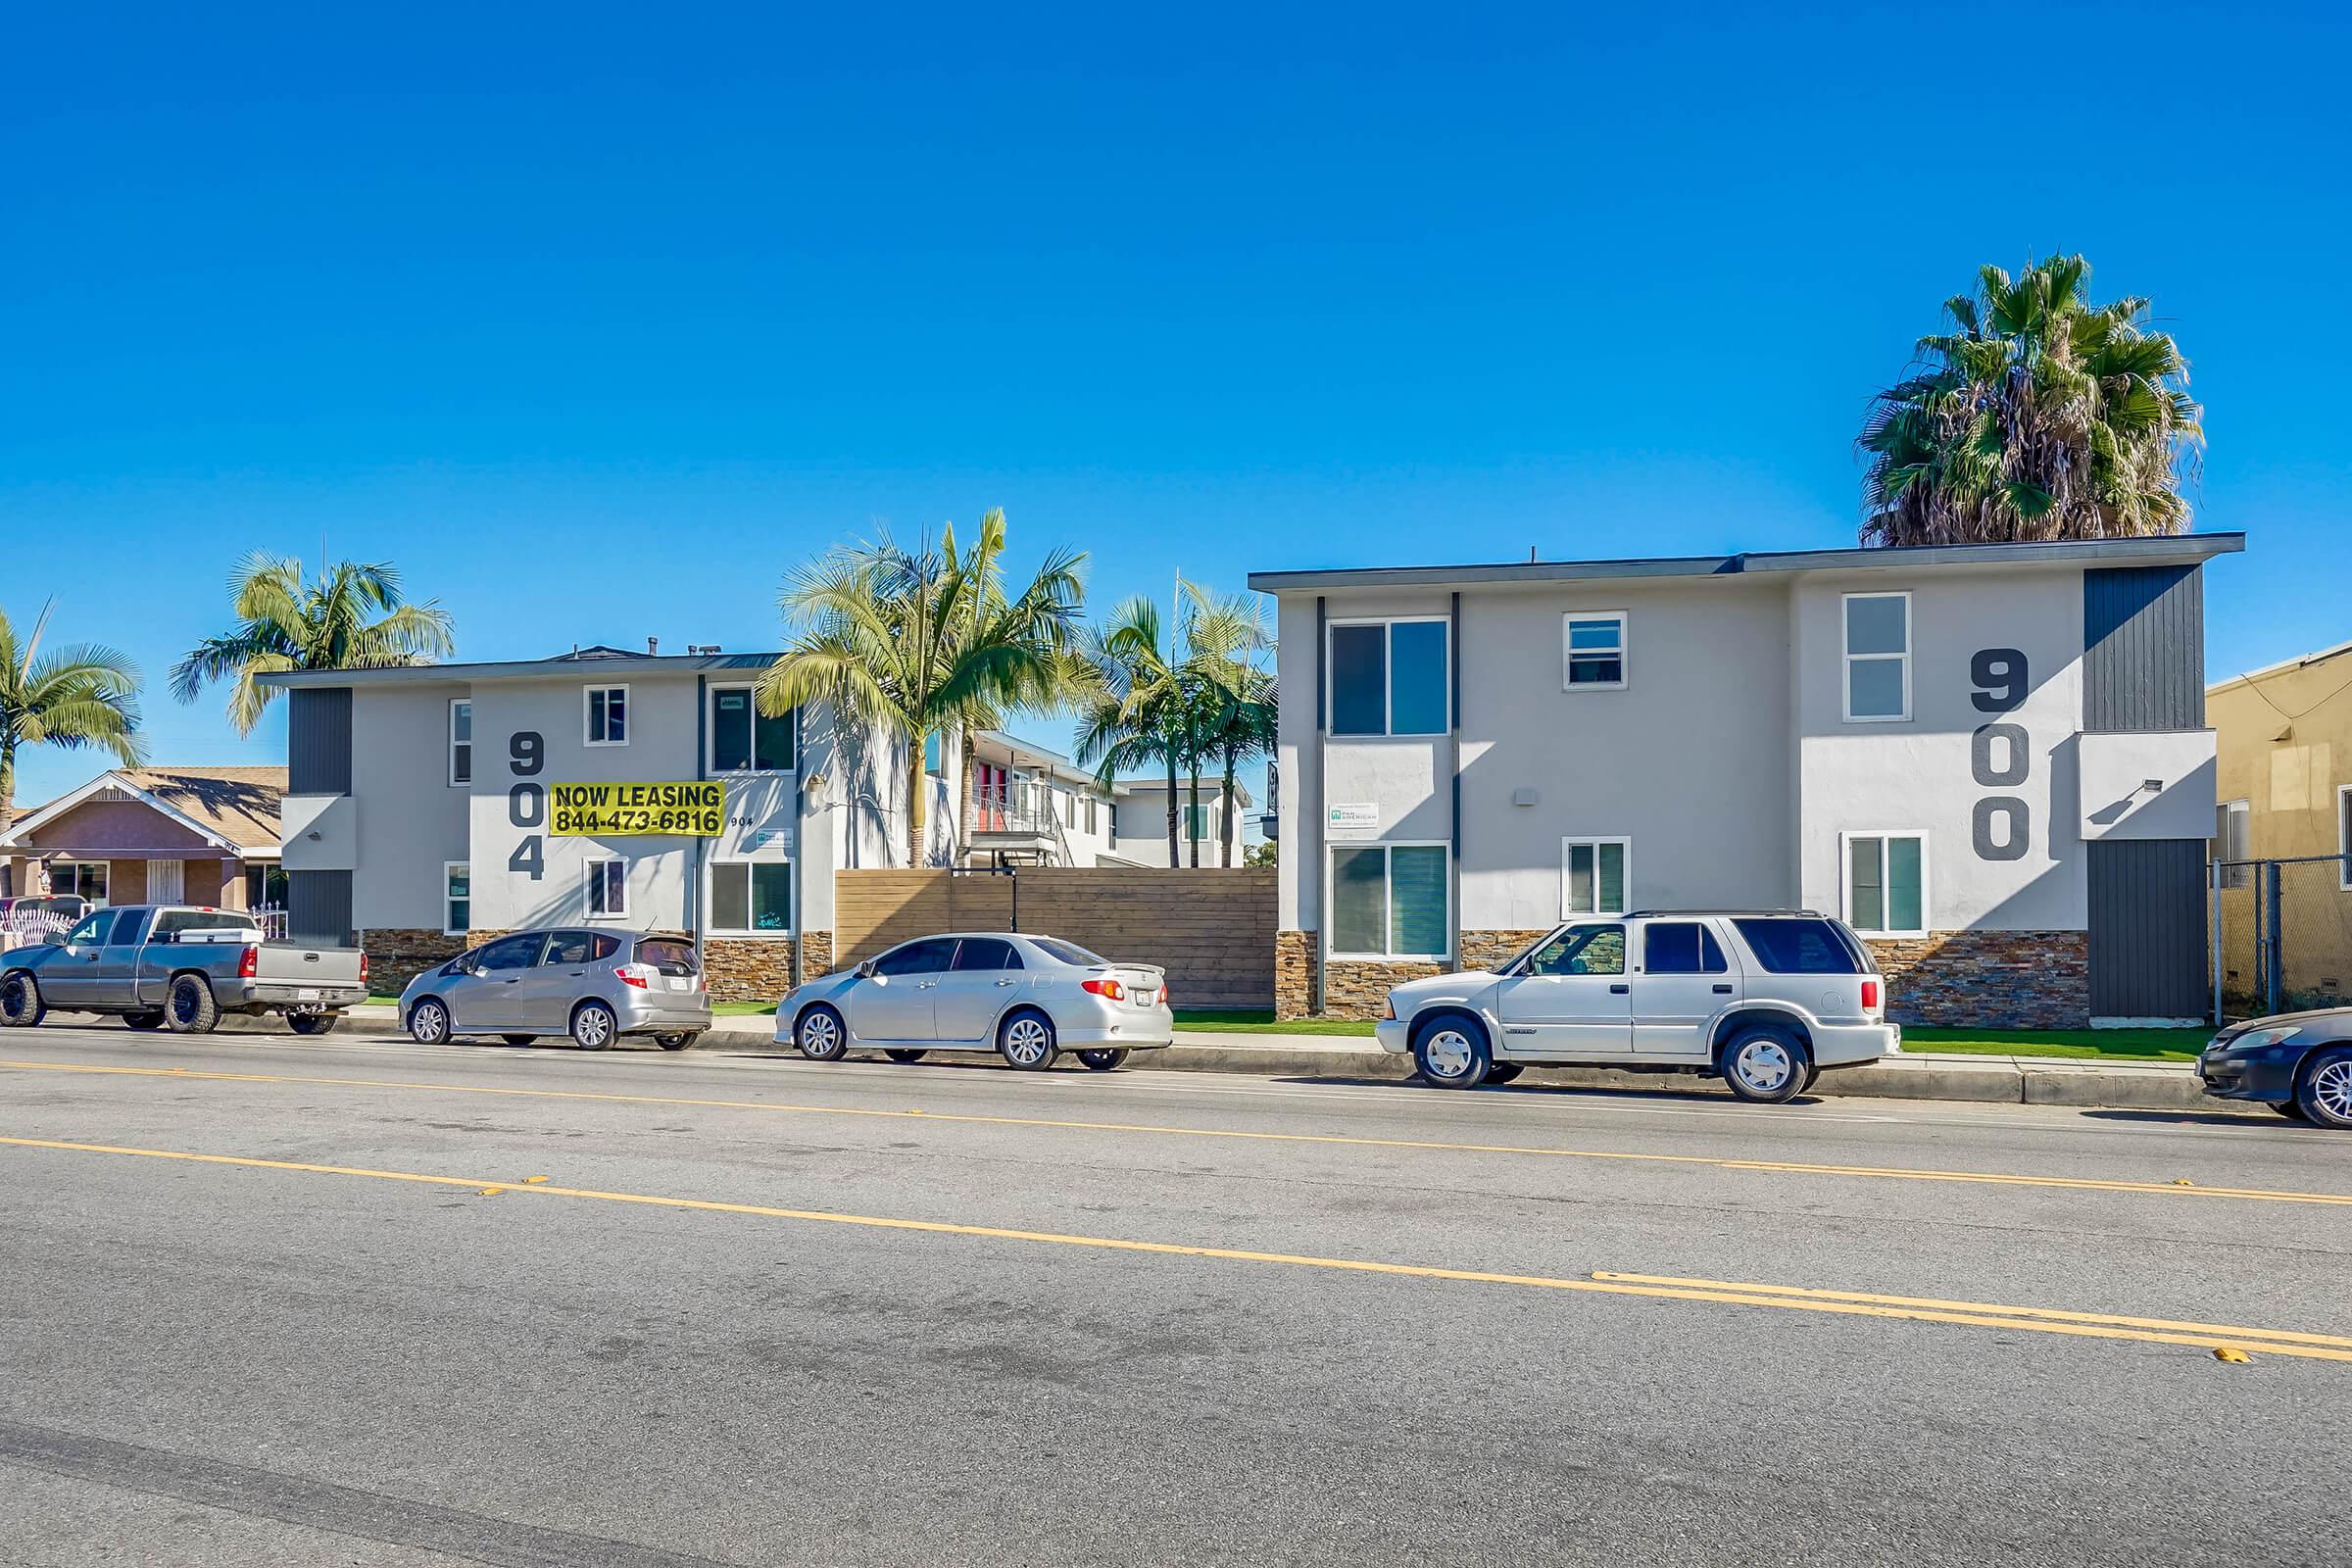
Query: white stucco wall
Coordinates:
[409,820]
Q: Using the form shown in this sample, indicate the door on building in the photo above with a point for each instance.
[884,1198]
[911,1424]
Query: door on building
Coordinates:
[487,996]
[985,973]
[2148,929]
[1572,997]
[1681,982]
[895,1002]
[167,881]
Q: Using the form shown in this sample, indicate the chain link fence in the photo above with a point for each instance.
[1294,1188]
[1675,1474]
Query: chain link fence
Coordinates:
[2280,934]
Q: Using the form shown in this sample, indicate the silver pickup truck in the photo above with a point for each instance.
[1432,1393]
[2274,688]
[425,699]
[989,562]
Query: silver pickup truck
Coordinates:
[179,967]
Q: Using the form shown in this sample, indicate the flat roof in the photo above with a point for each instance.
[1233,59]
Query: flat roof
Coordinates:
[2301,662]
[2157,548]
[585,666]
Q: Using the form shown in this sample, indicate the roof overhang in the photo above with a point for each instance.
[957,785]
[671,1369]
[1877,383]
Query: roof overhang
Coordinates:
[14,836]
[613,668]
[2156,550]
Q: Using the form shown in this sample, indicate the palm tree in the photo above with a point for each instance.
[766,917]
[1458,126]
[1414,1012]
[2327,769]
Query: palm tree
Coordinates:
[1137,714]
[924,642]
[1234,697]
[2040,415]
[79,695]
[353,617]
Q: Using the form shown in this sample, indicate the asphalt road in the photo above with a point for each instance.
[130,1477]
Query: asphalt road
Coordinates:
[479,1304]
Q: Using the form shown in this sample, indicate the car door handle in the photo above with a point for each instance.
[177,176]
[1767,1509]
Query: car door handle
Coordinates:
[1723,990]
[925,985]
[1009,982]
[1620,990]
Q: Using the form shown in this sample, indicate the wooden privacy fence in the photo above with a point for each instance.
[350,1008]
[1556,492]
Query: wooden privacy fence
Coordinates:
[1211,930]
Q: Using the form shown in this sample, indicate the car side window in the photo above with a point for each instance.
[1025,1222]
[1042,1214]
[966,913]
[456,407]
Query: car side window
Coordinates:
[990,953]
[1581,950]
[126,928]
[91,933]
[917,958]
[509,953]
[570,947]
[1681,946]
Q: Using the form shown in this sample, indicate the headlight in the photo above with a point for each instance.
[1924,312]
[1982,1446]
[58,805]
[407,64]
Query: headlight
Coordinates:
[1388,1009]
[2256,1038]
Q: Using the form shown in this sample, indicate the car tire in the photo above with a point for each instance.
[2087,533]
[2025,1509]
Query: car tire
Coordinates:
[1766,1065]
[521,1040]
[2324,1088]
[313,1023]
[1452,1052]
[593,1026]
[821,1036]
[190,1007]
[907,1055]
[2291,1109]
[1026,1041]
[679,1040]
[20,1003]
[1502,1072]
[428,1023]
[1107,1060]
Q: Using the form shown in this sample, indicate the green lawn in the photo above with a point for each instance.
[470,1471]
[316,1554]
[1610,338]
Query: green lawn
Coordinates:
[2114,1044]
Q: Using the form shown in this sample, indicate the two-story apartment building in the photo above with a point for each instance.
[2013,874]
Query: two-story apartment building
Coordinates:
[1031,806]
[1141,827]
[1991,761]
[432,805]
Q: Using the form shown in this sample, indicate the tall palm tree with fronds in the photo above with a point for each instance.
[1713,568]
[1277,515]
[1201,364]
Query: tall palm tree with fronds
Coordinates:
[1224,639]
[82,694]
[924,642]
[2038,415]
[1137,715]
[353,617]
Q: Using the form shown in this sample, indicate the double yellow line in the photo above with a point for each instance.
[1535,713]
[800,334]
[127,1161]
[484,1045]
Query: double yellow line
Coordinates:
[2230,1338]
[2086,1184]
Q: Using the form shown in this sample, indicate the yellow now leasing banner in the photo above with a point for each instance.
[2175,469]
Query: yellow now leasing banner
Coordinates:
[693,807]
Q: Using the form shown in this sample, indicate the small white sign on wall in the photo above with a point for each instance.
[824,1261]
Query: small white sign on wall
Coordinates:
[764,838]
[1357,814]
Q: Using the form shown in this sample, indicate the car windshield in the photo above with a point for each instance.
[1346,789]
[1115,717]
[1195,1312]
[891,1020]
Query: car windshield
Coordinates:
[1068,952]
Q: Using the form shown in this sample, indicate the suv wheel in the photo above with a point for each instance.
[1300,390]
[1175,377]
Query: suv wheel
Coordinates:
[21,1004]
[1766,1065]
[2325,1089]
[820,1036]
[1451,1052]
[593,1026]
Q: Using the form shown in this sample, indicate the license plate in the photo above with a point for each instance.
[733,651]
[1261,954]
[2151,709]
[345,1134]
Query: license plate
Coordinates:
[306,996]
[677,983]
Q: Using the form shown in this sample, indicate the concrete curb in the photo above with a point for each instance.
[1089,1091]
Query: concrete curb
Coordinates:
[1914,1076]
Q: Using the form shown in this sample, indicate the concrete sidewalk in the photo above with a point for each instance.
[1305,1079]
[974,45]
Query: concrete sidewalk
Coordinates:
[1914,1076]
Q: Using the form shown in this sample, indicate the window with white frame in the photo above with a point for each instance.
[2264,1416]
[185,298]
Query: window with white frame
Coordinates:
[457,898]
[84,879]
[1389,901]
[743,740]
[460,741]
[1594,874]
[607,889]
[2343,836]
[608,715]
[1388,677]
[1878,658]
[1595,650]
[1886,883]
[751,897]
[2232,840]
[1091,824]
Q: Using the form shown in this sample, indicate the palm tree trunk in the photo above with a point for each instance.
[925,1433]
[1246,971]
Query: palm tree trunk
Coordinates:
[1226,835]
[1175,859]
[963,802]
[1192,812]
[918,804]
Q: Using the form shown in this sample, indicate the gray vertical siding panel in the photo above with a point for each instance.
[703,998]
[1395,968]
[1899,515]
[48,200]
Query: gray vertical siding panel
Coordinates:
[319,741]
[2147,928]
[2143,649]
[319,906]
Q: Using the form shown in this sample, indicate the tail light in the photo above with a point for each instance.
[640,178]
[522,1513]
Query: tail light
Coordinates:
[1869,995]
[1165,992]
[249,964]
[633,975]
[1106,987]
[362,968]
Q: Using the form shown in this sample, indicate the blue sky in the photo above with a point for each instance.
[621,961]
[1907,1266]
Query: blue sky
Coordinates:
[596,320]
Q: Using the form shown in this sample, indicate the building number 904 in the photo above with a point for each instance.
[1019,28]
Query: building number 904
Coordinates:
[2002,825]
[526,801]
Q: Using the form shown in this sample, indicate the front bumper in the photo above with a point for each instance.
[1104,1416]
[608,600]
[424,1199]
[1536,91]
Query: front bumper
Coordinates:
[1395,1035]
[2264,1073]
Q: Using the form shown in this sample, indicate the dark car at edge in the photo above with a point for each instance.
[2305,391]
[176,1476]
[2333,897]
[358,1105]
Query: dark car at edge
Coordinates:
[2298,1063]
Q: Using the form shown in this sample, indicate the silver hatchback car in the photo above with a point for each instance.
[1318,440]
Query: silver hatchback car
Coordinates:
[1026,997]
[595,986]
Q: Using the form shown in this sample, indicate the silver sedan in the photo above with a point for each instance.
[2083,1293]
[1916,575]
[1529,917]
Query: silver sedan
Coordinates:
[1026,997]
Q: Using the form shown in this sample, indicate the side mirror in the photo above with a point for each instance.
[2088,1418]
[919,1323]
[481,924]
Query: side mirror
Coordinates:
[53,938]
[865,970]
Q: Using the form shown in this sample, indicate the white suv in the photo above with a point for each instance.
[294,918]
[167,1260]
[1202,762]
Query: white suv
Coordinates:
[1764,998]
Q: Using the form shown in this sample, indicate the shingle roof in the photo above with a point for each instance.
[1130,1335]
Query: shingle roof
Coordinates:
[240,803]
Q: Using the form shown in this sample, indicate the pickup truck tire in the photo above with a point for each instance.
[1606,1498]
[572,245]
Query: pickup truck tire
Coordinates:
[1766,1065]
[1452,1052]
[679,1041]
[153,1019]
[21,1004]
[593,1026]
[313,1023]
[190,1007]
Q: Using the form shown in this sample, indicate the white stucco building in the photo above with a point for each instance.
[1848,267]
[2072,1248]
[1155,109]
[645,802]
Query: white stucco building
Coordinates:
[1992,761]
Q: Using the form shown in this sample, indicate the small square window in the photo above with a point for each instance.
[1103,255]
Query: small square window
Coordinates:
[1595,650]
[752,898]
[1886,883]
[1878,658]
[1593,876]
[743,740]
[457,898]
[1389,677]
[607,709]
[607,889]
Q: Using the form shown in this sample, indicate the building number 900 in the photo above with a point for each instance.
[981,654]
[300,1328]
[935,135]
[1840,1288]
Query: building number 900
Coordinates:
[526,801]
[2003,824]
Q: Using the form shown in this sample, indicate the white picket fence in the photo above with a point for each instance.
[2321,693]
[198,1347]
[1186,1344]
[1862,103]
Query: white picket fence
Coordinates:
[20,929]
